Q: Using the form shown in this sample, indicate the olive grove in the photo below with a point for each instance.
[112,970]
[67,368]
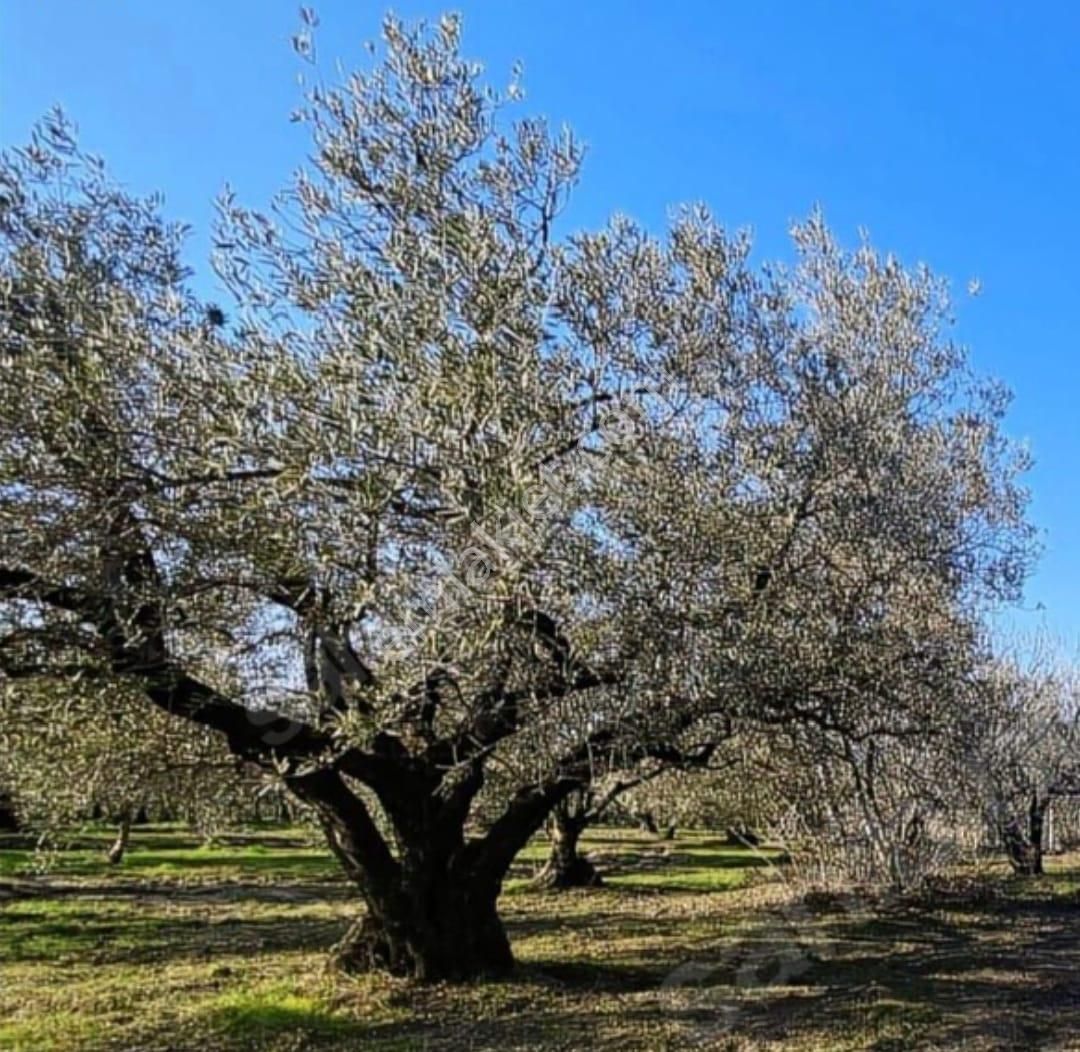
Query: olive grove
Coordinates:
[65,759]
[446,489]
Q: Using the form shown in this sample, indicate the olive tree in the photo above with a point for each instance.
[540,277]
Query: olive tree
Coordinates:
[1025,751]
[882,810]
[441,484]
[667,774]
[67,756]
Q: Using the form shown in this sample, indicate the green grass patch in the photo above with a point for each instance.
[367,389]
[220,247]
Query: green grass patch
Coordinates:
[265,1013]
[162,853]
[706,865]
[52,1033]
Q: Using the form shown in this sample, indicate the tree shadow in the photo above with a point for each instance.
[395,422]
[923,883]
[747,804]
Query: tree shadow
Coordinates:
[998,976]
[133,936]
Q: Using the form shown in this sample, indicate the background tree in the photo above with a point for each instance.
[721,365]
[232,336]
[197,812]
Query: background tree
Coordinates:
[1025,751]
[878,810]
[664,776]
[68,757]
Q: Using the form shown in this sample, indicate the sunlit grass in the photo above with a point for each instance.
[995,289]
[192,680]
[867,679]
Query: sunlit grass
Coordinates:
[272,1010]
[53,1033]
[159,852]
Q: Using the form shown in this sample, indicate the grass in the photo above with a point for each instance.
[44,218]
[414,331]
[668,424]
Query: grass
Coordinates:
[161,852]
[275,1010]
[691,944]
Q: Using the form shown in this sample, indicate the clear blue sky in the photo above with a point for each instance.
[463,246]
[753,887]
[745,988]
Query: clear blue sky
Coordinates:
[949,130]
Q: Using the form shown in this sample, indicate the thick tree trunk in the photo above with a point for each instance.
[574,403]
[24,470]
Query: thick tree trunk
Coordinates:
[565,868]
[431,905]
[447,933]
[115,854]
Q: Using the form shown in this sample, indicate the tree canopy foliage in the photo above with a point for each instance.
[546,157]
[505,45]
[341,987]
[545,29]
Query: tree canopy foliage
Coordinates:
[447,488]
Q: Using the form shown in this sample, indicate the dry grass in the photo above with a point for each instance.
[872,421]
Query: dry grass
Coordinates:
[692,945]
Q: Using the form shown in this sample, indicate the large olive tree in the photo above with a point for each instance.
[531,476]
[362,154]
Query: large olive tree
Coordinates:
[443,489]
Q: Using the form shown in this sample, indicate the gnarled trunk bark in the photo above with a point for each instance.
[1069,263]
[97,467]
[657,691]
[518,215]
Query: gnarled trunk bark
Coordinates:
[446,931]
[565,868]
[431,904]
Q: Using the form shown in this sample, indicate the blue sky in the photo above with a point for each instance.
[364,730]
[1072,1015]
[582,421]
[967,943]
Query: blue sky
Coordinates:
[949,130]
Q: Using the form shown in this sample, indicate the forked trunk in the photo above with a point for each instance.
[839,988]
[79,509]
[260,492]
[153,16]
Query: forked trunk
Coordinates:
[565,868]
[431,904]
[431,896]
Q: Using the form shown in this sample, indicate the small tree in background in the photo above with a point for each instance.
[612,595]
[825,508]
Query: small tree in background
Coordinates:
[1026,751]
[669,778]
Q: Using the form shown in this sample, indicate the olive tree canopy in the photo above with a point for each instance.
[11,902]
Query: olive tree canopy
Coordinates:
[443,487]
